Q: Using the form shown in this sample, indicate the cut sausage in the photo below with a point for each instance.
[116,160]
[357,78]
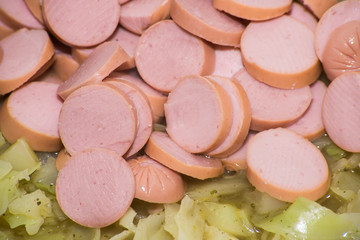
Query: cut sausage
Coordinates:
[156,183]
[164,150]
[310,124]
[97,115]
[334,17]
[342,51]
[35,8]
[254,10]
[95,187]
[31,48]
[286,166]
[143,111]
[227,61]
[302,14]
[64,65]
[137,15]
[101,62]
[17,14]
[319,7]
[156,98]
[237,160]
[241,117]
[62,157]
[280,52]
[203,20]
[273,107]
[198,114]
[165,53]
[81,23]
[341,112]
[32,112]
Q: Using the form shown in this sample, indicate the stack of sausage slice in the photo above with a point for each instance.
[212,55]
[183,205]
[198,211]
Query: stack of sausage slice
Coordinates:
[92,86]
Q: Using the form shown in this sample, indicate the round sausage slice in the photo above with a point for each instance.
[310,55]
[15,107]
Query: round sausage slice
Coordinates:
[241,117]
[143,111]
[286,166]
[334,17]
[161,148]
[254,10]
[341,112]
[203,20]
[95,187]
[165,53]
[101,62]
[273,107]
[32,48]
[81,23]
[342,51]
[198,114]
[137,15]
[156,183]
[97,115]
[310,124]
[290,62]
[32,112]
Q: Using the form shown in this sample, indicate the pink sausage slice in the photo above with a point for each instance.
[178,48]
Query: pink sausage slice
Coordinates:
[137,15]
[164,150]
[227,61]
[81,23]
[339,14]
[203,20]
[198,114]
[156,98]
[143,111]
[342,51]
[101,62]
[254,10]
[241,117]
[97,115]
[319,7]
[280,52]
[156,183]
[32,48]
[302,14]
[286,166]
[273,107]
[165,53]
[95,187]
[310,124]
[341,112]
[17,14]
[32,112]
[237,160]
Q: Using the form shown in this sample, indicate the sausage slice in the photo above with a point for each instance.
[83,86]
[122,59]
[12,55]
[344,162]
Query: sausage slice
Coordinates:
[198,114]
[101,62]
[161,148]
[165,53]
[32,48]
[342,51]
[302,14]
[97,115]
[156,183]
[286,165]
[137,15]
[81,23]
[203,20]
[341,112]
[273,107]
[227,61]
[32,112]
[254,10]
[95,187]
[280,52]
[319,7]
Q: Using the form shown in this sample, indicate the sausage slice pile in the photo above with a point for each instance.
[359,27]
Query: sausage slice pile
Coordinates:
[136,94]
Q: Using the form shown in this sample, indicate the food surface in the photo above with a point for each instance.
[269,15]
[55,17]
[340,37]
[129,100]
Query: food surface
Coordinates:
[179,119]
